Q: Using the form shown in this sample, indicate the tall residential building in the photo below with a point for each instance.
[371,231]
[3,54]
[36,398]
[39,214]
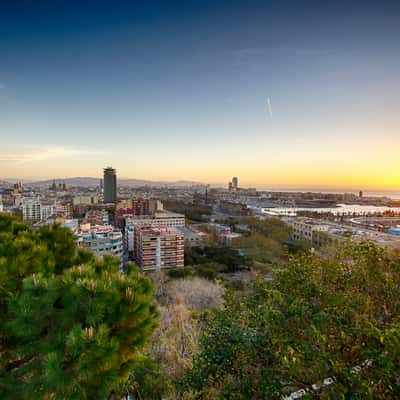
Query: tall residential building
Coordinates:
[160,219]
[159,248]
[235,183]
[110,185]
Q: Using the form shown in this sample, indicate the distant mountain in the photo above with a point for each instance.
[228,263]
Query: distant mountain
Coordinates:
[78,181]
[89,181]
[141,182]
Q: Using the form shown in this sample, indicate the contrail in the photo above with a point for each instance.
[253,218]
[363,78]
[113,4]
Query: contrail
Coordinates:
[269,106]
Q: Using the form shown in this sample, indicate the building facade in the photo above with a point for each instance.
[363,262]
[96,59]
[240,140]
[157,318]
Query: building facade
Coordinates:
[101,240]
[34,210]
[235,183]
[160,219]
[136,207]
[110,185]
[85,200]
[159,248]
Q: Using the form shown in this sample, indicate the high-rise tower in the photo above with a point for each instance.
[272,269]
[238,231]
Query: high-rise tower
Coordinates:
[110,185]
[235,183]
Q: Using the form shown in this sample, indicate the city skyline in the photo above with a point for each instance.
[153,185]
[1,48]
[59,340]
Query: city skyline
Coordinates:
[295,95]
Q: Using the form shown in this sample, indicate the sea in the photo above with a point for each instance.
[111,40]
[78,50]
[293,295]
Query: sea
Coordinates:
[341,209]
[392,194]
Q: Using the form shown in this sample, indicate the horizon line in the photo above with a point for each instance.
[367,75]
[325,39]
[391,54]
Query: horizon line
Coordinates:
[263,186]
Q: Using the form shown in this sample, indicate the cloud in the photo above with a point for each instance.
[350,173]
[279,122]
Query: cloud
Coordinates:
[2,86]
[44,154]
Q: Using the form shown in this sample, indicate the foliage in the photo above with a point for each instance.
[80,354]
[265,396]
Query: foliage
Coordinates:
[274,228]
[176,340]
[197,294]
[194,212]
[71,325]
[317,318]
[235,284]
[180,272]
[228,258]
[261,248]
[209,271]
[267,240]
[146,381]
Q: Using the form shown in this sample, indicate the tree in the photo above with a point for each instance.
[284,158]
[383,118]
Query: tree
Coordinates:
[261,248]
[228,259]
[274,228]
[71,325]
[318,318]
[194,212]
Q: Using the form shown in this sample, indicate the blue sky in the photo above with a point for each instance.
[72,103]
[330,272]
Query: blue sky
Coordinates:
[180,90]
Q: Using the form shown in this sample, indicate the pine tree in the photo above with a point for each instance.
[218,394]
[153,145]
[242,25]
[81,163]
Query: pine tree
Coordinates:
[71,325]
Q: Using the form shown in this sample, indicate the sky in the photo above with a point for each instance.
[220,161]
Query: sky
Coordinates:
[279,93]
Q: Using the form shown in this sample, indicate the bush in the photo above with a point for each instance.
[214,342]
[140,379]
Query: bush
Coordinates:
[209,271]
[178,273]
[317,318]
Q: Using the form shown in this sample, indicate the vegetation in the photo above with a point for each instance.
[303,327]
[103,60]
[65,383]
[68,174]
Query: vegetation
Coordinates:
[318,318]
[273,228]
[176,341]
[193,211]
[264,241]
[71,325]
[224,259]
[261,248]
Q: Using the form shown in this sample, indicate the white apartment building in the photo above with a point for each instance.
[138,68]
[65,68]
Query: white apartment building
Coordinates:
[101,240]
[31,209]
[46,211]
[34,210]
[309,230]
[160,219]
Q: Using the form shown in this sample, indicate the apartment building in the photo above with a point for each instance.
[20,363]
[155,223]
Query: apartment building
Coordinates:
[101,240]
[34,210]
[85,200]
[64,209]
[160,219]
[158,248]
[314,232]
[136,207]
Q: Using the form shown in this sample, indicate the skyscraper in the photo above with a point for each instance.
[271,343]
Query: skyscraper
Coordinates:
[110,185]
[235,183]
